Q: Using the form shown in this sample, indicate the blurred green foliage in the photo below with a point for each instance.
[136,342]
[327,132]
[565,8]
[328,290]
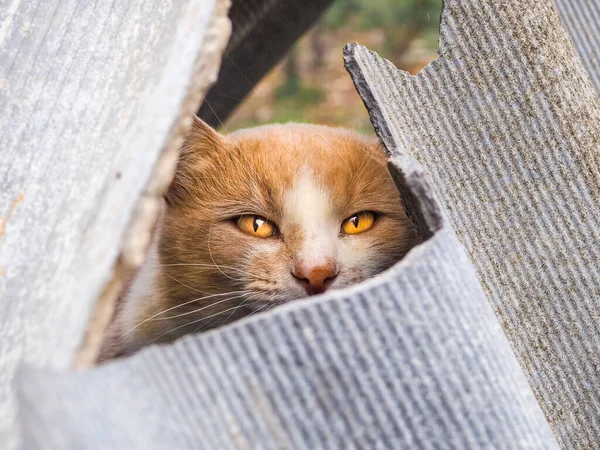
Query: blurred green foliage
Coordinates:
[368,14]
[401,20]
[311,84]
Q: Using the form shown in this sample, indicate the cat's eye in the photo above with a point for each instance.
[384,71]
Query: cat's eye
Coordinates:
[255,225]
[359,222]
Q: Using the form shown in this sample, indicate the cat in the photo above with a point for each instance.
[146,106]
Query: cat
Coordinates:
[258,218]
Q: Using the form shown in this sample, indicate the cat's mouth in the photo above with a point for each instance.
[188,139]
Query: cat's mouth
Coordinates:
[264,300]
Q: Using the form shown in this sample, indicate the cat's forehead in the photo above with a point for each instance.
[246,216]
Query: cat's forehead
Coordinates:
[291,167]
[314,162]
[285,152]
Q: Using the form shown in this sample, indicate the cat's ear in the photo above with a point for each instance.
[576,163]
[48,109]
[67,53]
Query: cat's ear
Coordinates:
[201,141]
[201,137]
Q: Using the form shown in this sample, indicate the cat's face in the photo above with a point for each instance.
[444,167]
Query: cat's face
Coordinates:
[271,214]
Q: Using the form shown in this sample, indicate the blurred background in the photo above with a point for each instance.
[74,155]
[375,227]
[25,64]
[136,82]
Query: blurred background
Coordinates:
[311,84]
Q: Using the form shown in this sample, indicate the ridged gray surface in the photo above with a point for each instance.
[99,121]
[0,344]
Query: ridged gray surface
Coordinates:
[506,124]
[582,20]
[92,96]
[412,359]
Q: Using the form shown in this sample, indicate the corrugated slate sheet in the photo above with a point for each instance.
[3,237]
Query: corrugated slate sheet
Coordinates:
[582,20]
[95,98]
[506,124]
[413,358]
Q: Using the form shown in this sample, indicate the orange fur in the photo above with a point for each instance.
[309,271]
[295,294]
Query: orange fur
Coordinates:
[275,171]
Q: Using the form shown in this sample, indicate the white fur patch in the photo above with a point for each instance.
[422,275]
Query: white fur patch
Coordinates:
[309,206]
[140,290]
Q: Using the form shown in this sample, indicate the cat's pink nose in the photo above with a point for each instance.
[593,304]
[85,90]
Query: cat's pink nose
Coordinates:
[315,279]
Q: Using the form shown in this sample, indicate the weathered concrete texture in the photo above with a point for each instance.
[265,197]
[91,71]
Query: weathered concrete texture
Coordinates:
[263,31]
[95,97]
[507,125]
[582,20]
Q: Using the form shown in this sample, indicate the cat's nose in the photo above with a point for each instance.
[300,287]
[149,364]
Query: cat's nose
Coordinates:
[315,279]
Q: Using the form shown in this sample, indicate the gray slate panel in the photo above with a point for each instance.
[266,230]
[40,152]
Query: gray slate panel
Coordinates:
[582,20]
[92,95]
[506,124]
[413,358]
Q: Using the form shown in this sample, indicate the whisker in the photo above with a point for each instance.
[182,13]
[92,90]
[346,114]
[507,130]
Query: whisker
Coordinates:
[240,71]
[211,255]
[260,309]
[215,113]
[183,284]
[228,317]
[203,308]
[245,272]
[174,307]
[190,323]
[231,97]
[238,306]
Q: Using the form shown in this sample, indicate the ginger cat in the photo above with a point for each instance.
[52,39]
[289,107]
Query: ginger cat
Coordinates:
[257,218]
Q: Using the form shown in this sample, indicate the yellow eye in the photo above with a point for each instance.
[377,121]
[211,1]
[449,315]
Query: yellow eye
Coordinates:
[358,222]
[255,226]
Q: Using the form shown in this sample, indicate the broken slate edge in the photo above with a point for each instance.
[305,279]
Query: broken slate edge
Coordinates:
[418,197]
[506,124]
[94,95]
[137,237]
